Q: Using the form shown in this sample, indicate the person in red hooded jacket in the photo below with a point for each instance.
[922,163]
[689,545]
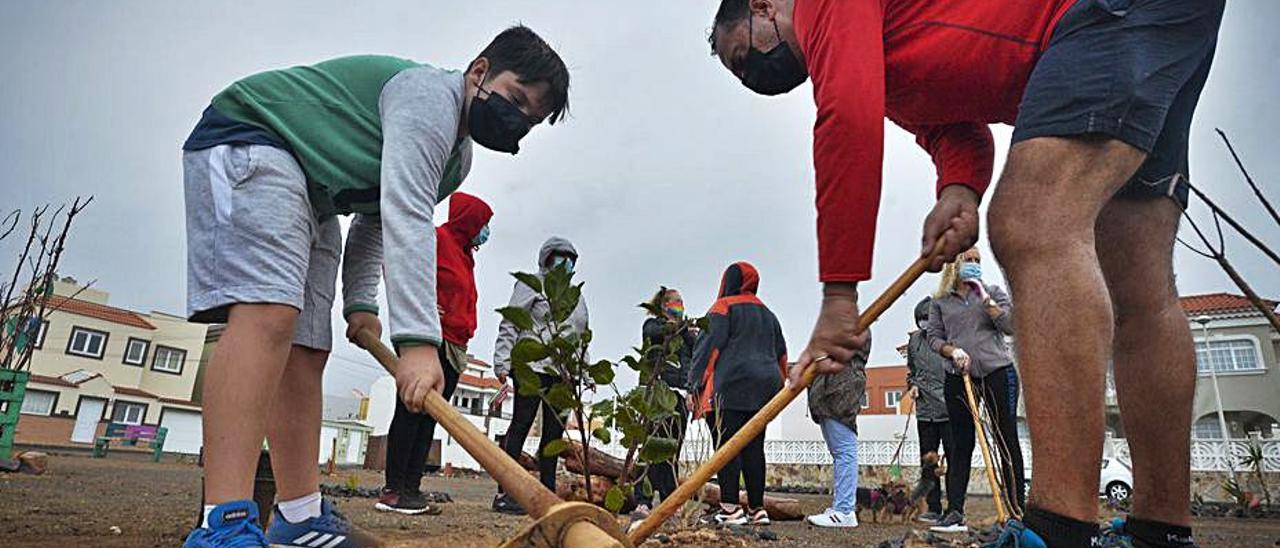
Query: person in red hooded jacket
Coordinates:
[411,433]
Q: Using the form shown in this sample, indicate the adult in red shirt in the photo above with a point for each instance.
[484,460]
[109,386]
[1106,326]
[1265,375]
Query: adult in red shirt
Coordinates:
[1101,94]
[410,435]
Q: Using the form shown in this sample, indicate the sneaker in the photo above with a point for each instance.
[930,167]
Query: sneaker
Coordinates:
[737,516]
[231,524]
[953,522]
[329,530]
[410,504]
[929,517]
[1016,535]
[833,518]
[504,504]
[759,516]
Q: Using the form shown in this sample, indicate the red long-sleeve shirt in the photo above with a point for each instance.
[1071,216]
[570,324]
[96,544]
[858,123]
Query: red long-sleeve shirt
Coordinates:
[942,70]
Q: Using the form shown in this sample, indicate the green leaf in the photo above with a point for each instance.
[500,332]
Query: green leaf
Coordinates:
[602,434]
[527,381]
[614,499]
[529,280]
[566,303]
[651,308]
[561,397]
[556,282]
[657,449]
[664,396]
[601,372]
[555,447]
[529,350]
[646,488]
[517,316]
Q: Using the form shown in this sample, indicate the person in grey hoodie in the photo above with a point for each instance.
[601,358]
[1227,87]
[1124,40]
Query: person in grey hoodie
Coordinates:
[926,375]
[968,322]
[555,252]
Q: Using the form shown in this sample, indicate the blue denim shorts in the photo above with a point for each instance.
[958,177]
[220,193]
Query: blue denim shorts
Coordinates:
[1131,70]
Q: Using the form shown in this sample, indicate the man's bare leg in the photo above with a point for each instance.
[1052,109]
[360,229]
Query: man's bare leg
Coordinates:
[1042,231]
[239,385]
[294,430]
[1155,367]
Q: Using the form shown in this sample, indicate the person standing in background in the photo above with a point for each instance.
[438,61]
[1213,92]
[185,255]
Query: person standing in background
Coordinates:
[926,376]
[968,321]
[411,434]
[658,331]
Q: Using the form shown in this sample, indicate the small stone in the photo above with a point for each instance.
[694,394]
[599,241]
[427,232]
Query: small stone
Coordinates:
[768,535]
[115,530]
[33,462]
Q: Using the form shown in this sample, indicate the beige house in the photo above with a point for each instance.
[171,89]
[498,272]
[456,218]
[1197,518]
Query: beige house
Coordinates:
[95,364]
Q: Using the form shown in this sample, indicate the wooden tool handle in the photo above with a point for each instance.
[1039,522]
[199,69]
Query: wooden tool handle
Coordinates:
[761,419]
[1002,513]
[533,496]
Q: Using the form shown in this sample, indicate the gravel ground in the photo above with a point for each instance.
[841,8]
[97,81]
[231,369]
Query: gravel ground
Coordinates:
[80,500]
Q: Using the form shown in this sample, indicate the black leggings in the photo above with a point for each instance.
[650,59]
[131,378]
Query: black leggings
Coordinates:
[933,434]
[526,407]
[410,438]
[749,463]
[998,392]
[662,476]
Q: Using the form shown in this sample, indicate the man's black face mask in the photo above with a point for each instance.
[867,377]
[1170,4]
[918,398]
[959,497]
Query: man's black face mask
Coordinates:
[773,72]
[496,123]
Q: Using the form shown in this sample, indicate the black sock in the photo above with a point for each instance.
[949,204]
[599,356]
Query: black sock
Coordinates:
[1157,533]
[1061,531]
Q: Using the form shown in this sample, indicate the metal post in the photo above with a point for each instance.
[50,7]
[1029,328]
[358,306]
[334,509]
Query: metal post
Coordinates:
[1217,397]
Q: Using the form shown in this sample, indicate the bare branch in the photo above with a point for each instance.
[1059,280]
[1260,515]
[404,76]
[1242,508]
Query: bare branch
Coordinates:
[1193,249]
[16,215]
[1248,179]
[1239,229]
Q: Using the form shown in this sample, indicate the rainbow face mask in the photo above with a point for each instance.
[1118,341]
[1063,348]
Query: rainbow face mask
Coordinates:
[675,309]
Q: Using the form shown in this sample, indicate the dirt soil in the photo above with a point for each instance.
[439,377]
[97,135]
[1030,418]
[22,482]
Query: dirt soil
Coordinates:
[80,500]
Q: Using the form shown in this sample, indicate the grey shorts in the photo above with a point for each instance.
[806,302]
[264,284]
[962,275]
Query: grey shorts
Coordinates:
[252,238]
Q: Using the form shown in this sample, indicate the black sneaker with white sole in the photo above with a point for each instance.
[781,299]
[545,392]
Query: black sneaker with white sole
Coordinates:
[737,516]
[953,522]
[504,504]
[929,517]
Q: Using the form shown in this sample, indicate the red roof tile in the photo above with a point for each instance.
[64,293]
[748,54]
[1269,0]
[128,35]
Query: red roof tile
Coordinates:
[479,382]
[99,311]
[1219,303]
[125,390]
[55,381]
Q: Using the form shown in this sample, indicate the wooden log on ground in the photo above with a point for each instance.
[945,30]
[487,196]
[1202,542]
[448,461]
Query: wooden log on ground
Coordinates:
[780,509]
[602,464]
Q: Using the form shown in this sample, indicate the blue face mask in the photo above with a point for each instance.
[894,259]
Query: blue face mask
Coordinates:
[970,271]
[562,260]
[481,237]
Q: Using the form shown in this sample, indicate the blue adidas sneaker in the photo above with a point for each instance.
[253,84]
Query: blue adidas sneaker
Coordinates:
[328,530]
[231,525]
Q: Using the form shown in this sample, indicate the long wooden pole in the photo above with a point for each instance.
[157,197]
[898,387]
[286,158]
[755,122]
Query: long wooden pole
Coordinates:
[532,495]
[757,424]
[1002,514]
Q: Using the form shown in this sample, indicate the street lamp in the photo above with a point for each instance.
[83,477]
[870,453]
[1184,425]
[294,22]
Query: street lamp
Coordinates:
[1204,320]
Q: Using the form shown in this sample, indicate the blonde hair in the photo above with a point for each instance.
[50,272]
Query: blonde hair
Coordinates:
[947,281]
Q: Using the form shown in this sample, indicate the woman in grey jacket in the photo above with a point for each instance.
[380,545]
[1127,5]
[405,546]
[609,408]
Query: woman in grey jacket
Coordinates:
[968,322]
[555,252]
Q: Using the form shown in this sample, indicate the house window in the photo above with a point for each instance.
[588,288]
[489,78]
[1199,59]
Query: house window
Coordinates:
[129,412]
[892,397]
[168,360]
[37,402]
[1207,428]
[135,351]
[866,399]
[1228,356]
[89,343]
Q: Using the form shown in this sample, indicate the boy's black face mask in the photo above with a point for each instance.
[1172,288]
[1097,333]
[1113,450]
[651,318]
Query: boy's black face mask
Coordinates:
[773,72]
[495,123]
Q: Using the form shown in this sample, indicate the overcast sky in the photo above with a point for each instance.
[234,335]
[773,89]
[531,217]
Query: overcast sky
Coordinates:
[667,170]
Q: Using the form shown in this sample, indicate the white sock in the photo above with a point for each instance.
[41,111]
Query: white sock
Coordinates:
[301,509]
[207,509]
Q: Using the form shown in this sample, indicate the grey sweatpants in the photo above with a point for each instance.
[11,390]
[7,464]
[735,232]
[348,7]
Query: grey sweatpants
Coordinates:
[252,238]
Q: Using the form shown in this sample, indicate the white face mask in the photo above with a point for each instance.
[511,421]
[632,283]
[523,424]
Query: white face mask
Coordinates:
[562,260]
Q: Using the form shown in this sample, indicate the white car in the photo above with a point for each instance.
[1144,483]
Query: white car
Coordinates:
[1116,481]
